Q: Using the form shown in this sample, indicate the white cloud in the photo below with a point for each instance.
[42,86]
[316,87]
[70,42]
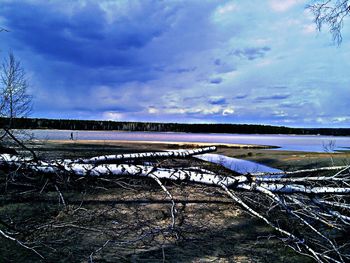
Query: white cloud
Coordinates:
[341,119]
[280,113]
[227,8]
[265,62]
[284,5]
[223,13]
[113,116]
[309,29]
[261,41]
[175,111]
[211,110]
[197,110]
[152,110]
[228,111]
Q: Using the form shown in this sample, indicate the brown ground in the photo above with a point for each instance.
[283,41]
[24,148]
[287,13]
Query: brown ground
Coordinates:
[135,214]
[288,160]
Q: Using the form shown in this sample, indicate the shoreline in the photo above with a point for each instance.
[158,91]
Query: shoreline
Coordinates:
[169,143]
[188,132]
[280,159]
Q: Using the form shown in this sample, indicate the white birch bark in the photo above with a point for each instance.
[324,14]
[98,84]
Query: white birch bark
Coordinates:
[195,175]
[145,155]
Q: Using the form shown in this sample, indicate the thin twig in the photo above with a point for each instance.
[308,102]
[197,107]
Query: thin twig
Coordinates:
[20,243]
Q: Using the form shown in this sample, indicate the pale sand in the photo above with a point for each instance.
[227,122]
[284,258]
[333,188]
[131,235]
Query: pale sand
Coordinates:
[187,144]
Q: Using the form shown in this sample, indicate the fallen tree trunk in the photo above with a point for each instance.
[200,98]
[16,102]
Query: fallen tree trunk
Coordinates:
[313,207]
[144,156]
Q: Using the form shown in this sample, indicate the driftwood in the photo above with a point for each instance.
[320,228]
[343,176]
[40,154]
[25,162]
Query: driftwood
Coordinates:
[308,209]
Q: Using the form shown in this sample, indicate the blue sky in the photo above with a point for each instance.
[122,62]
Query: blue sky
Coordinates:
[180,61]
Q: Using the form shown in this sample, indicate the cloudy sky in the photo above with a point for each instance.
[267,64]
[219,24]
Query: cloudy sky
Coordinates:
[180,61]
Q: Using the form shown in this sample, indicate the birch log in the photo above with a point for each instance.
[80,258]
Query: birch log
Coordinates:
[145,155]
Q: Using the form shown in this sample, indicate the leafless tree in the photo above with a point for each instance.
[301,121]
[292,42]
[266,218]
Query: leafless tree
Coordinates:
[331,13]
[14,98]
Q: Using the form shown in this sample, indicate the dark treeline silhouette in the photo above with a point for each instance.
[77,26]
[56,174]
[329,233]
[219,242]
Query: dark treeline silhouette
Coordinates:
[65,124]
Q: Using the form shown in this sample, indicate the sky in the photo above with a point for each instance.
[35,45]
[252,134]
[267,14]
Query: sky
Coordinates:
[254,62]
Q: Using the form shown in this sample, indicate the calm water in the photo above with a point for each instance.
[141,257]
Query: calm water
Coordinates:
[286,142]
[237,165]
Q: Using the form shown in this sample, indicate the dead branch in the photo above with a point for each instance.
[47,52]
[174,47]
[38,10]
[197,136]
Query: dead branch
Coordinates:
[4,235]
[309,209]
[7,131]
[331,13]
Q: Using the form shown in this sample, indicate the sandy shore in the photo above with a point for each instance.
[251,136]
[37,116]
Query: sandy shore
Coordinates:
[280,159]
[168,143]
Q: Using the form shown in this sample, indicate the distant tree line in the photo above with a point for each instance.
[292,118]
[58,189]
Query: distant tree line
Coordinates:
[65,124]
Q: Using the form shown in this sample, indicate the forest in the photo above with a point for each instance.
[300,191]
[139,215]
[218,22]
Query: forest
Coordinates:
[70,124]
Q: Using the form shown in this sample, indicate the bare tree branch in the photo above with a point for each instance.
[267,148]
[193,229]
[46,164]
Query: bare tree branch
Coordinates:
[4,235]
[35,157]
[331,13]
[14,98]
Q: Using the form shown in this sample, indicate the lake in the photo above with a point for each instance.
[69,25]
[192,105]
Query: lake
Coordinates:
[310,143]
[237,165]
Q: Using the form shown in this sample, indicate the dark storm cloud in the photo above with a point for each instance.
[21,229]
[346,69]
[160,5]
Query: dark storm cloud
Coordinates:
[183,70]
[217,101]
[217,62]
[251,53]
[194,98]
[273,97]
[215,80]
[240,97]
[75,46]
[85,37]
